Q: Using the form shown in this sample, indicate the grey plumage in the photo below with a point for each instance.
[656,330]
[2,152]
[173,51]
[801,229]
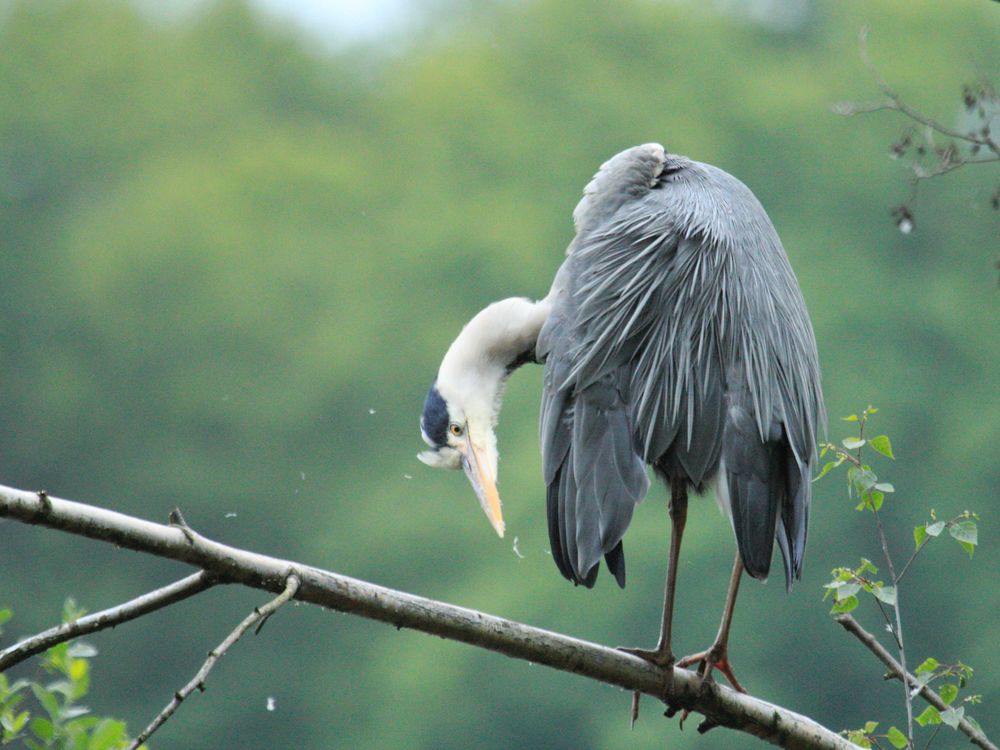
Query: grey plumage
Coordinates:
[677,337]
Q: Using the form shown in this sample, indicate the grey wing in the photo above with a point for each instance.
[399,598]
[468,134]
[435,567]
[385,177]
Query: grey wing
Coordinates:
[685,300]
[593,474]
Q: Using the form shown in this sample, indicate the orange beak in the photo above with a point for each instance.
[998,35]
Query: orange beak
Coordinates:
[483,478]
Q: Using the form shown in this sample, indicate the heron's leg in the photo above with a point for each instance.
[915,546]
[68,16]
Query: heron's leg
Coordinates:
[662,655]
[717,655]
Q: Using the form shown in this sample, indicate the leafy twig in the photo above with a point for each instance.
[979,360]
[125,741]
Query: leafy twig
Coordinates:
[852,626]
[108,618]
[259,615]
[898,630]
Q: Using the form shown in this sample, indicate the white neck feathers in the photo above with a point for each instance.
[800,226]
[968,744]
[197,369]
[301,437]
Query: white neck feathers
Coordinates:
[477,363]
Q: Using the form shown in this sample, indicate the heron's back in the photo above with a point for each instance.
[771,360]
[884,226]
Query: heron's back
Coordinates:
[676,319]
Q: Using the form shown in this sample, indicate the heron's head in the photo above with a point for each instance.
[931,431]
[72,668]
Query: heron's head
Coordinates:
[457,424]
[463,404]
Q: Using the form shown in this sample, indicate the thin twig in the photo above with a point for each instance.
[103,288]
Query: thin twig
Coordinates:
[888,621]
[725,707]
[945,167]
[933,736]
[108,618]
[895,670]
[912,558]
[898,632]
[895,102]
[259,614]
[948,524]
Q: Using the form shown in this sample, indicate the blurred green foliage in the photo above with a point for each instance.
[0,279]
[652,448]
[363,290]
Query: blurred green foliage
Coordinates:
[229,266]
[45,711]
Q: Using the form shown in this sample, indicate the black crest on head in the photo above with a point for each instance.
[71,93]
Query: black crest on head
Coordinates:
[434,420]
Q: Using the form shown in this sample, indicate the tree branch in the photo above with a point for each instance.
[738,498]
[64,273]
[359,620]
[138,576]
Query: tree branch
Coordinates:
[853,627]
[895,102]
[259,615]
[108,618]
[720,705]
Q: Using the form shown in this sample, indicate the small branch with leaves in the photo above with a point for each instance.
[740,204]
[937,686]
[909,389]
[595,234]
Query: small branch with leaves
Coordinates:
[941,711]
[930,147]
[864,486]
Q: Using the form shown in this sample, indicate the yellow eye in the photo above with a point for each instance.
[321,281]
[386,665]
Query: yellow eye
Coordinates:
[455,429]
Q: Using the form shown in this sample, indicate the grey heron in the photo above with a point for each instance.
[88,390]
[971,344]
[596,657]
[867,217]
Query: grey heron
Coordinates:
[674,335]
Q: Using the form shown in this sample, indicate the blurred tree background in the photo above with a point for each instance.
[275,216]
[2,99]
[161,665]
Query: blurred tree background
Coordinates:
[232,257]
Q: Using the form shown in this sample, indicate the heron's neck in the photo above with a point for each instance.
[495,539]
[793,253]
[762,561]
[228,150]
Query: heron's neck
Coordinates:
[496,341]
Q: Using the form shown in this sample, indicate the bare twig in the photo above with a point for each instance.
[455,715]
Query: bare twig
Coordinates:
[895,102]
[721,705]
[896,670]
[108,618]
[259,614]
[981,98]
[913,557]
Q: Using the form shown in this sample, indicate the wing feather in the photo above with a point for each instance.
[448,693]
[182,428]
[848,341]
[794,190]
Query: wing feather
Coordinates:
[677,337]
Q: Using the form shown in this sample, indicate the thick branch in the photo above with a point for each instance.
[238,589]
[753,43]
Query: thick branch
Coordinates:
[259,615]
[108,618]
[720,705]
[853,627]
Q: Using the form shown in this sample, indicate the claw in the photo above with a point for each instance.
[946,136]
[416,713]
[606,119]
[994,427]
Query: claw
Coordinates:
[664,659]
[713,658]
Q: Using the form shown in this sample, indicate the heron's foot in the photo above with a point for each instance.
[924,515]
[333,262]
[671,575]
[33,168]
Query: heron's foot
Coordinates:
[662,658]
[715,657]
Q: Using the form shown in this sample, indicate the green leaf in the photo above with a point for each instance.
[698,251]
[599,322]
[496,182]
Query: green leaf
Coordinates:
[928,665]
[934,529]
[870,727]
[861,479]
[885,487]
[78,669]
[47,699]
[897,738]
[948,692]
[13,724]
[930,715]
[882,445]
[919,535]
[844,605]
[845,590]
[72,611]
[853,443]
[20,720]
[852,418]
[827,467]
[964,531]
[872,500]
[81,650]
[951,716]
[970,548]
[5,615]
[886,594]
[856,737]
[72,712]
[106,734]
